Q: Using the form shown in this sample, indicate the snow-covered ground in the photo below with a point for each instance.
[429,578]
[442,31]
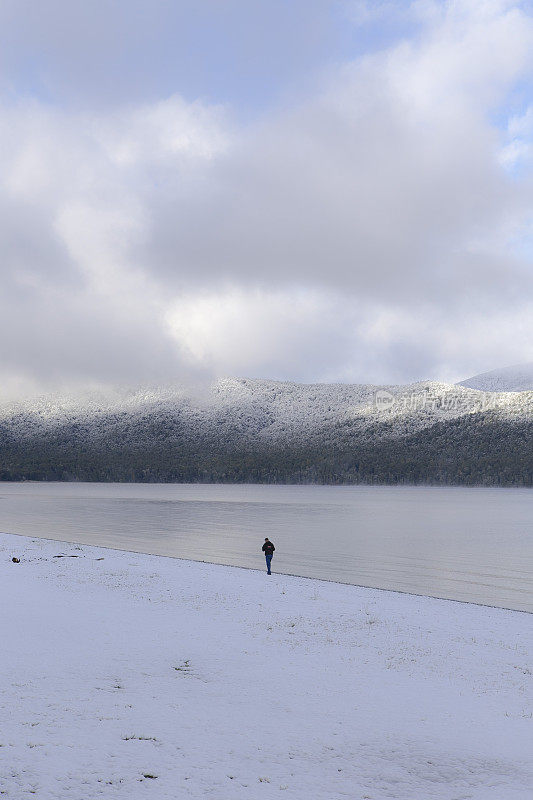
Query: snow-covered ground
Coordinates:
[135,676]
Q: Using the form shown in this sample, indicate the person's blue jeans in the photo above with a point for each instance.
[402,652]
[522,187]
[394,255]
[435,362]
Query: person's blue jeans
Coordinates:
[269,561]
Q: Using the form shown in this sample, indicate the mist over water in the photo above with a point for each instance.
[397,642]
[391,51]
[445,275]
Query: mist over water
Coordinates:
[459,543]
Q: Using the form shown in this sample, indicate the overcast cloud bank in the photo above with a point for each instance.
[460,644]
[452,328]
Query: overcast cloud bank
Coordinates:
[375,228]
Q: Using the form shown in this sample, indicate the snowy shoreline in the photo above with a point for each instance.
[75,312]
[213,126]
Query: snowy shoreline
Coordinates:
[388,590]
[219,681]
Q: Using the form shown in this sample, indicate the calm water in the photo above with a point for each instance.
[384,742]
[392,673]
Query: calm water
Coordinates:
[464,544]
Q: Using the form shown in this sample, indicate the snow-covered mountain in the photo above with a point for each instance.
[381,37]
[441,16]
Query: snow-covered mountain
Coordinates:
[264,409]
[240,429]
[517,378]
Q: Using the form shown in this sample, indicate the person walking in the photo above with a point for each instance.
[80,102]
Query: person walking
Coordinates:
[268,549]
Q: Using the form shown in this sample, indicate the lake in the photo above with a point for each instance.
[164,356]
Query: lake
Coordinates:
[471,544]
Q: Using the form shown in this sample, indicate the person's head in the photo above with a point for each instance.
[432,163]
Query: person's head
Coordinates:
[266,539]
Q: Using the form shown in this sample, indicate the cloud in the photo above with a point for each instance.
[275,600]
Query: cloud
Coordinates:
[290,334]
[311,335]
[376,228]
[74,306]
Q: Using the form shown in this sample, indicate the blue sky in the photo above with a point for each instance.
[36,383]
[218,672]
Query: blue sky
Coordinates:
[245,53]
[296,190]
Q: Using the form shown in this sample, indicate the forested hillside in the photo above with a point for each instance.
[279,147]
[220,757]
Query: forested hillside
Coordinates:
[263,431]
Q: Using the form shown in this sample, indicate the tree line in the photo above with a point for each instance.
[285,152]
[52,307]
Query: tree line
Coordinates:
[478,450]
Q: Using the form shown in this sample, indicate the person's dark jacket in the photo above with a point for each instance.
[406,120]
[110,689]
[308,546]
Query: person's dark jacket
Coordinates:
[268,548]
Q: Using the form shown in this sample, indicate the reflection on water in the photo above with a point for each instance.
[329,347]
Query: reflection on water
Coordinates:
[463,544]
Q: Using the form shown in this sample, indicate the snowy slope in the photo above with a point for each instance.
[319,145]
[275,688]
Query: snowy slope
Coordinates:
[275,432]
[262,409]
[130,676]
[518,378]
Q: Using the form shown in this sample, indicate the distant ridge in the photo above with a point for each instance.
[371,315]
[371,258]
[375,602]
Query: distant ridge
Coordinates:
[517,378]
